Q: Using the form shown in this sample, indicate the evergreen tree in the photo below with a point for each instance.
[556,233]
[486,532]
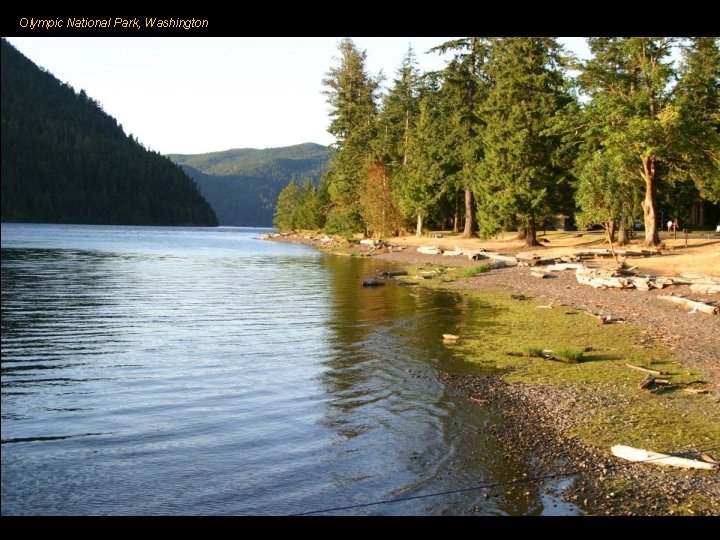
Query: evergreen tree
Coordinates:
[464,89]
[519,171]
[421,182]
[298,207]
[286,205]
[351,94]
[399,113]
[698,98]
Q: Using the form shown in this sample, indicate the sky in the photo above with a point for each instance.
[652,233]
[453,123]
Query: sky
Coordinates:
[202,94]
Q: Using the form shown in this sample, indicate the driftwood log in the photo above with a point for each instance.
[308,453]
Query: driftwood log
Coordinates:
[644,370]
[429,250]
[599,279]
[692,304]
[559,267]
[702,288]
[453,253]
[646,456]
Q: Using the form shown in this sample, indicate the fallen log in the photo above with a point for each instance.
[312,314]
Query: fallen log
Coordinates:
[647,382]
[700,278]
[645,370]
[559,267]
[450,337]
[429,250]
[452,253]
[372,282]
[539,274]
[593,253]
[646,456]
[692,304]
[527,259]
[478,400]
[641,284]
[701,288]
[697,390]
[497,259]
[599,280]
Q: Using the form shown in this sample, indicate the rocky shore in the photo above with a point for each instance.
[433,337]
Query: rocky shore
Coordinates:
[537,420]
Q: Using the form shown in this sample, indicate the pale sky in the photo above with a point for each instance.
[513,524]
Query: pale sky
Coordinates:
[202,94]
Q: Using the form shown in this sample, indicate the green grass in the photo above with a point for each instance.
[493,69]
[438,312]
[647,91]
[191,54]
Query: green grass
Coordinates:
[533,352]
[614,409]
[572,356]
[472,271]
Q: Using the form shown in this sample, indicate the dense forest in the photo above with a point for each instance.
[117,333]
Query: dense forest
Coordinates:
[64,160]
[242,185]
[514,131]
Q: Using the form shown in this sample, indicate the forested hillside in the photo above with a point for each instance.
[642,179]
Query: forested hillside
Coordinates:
[242,185]
[64,160]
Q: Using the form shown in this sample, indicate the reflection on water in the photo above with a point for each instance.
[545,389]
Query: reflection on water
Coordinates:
[200,371]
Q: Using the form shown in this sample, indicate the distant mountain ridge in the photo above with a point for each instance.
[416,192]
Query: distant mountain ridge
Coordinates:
[242,184]
[64,160]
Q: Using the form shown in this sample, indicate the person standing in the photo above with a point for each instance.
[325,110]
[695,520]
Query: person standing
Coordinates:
[670,225]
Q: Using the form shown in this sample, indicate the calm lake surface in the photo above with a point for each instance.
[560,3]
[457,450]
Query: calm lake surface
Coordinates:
[151,370]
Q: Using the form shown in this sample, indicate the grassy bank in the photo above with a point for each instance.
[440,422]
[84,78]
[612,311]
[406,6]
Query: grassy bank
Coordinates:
[610,408]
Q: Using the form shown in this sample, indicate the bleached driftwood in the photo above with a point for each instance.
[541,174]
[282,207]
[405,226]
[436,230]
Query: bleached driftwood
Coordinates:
[559,267]
[453,253]
[593,253]
[692,304]
[636,252]
[639,455]
[702,288]
[429,250]
[497,258]
[700,278]
[539,274]
[644,370]
[599,279]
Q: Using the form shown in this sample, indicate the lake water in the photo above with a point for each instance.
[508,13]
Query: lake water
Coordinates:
[151,370]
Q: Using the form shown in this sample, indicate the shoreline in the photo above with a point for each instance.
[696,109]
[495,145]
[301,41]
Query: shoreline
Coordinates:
[549,418]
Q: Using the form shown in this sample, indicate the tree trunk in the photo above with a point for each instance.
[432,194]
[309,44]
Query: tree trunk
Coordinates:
[531,233]
[456,216]
[648,204]
[468,231]
[521,232]
[418,228]
[407,133]
[612,226]
[623,237]
[608,229]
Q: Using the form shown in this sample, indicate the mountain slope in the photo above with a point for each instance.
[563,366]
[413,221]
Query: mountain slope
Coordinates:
[64,160]
[242,185]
